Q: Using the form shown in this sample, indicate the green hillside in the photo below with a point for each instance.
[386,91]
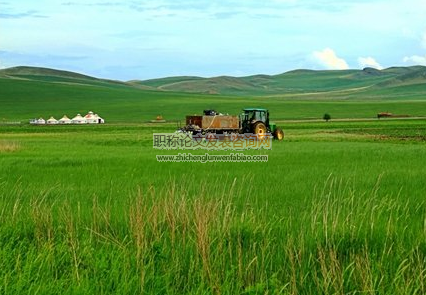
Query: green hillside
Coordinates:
[27,92]
[37,71]
[158,83]
[58,76]
[298,81]
[292,82]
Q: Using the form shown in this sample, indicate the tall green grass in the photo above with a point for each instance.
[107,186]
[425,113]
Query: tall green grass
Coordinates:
[338,208]
[166,240]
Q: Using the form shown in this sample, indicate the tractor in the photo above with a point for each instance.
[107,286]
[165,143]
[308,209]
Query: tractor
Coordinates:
[255,120]
[251,120]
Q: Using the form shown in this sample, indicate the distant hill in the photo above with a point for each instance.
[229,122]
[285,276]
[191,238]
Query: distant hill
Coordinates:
[29,92]
[216,85]
[59,76]
[292,82]
[36,71]
[157,83]
[297,81]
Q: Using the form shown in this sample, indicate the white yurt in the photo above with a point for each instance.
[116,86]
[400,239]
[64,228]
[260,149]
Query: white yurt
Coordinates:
[41,121]
[64,120]
[79,120]
[52,121]
[99,119]
[92,118]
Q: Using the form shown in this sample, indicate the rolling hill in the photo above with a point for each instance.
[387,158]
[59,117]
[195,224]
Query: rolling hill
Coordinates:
[292,82]
[58,76]
[27,92]
[298,81]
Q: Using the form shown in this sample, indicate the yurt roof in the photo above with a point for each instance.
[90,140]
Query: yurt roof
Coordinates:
[65,119]
[89,115]
[78,117]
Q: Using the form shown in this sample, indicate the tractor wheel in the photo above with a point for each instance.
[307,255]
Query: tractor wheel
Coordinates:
[260,130]
[279,134]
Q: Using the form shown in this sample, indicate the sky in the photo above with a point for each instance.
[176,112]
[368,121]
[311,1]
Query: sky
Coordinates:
[141,39]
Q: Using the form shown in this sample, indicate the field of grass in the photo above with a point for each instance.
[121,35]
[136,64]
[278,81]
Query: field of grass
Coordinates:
[22,100]
[338,208]
[27,93]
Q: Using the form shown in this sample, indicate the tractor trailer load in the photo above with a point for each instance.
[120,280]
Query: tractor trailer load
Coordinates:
[251,120]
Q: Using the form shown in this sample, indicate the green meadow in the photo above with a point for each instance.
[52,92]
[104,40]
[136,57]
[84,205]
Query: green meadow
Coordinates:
[32,92]
[339,208]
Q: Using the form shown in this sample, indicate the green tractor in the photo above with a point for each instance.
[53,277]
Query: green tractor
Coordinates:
[251,120]
[256,120]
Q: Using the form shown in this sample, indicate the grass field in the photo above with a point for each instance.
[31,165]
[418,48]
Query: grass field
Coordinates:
[338,208]
[27,93]
[22,100]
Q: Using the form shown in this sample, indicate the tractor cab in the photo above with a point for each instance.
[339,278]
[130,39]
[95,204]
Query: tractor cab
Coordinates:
[256,120]
[250,117]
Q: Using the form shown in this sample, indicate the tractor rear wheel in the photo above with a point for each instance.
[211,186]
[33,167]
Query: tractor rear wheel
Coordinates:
[260,130]
[279,134]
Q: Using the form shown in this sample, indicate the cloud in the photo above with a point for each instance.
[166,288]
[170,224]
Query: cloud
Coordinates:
[369,62]
[415,60]
[30,13]
[13,58]
[330,60]
[93,4]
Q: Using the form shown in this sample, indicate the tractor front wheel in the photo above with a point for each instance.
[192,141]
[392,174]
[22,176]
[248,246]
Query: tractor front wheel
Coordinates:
[279,134]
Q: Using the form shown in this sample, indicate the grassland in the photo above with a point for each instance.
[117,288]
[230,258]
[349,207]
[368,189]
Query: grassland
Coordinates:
[22,100]
[339,207]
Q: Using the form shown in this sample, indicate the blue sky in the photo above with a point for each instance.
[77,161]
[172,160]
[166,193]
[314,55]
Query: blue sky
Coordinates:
[147,39]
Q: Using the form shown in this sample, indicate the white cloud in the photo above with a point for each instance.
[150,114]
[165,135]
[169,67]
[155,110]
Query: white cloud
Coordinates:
[369,62]
[330,60]
[415,60]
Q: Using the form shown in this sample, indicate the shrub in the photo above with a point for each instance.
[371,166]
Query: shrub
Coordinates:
[326,117]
